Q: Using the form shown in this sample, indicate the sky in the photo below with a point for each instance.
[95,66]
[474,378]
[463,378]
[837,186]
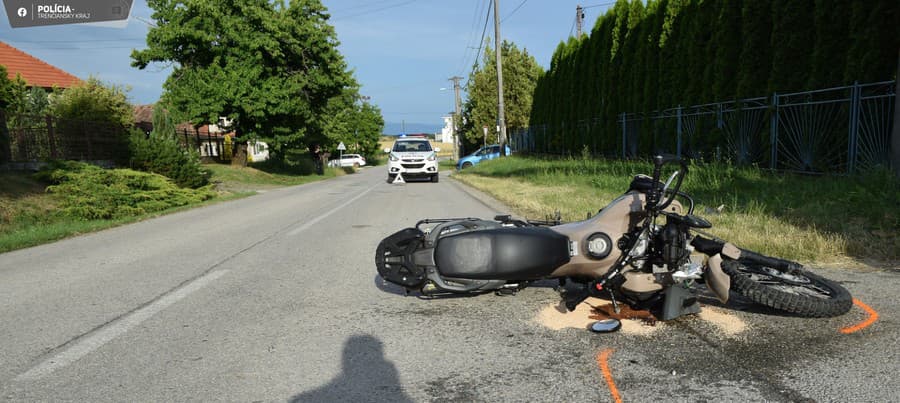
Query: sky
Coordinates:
[403,52]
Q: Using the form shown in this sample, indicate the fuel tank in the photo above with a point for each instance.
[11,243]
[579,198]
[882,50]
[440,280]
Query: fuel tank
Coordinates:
[523,253]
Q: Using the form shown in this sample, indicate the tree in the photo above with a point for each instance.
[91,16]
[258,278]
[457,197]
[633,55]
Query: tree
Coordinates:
[269,67]
[94,101]
[7,94]
[793,38]
[13,93]
[350,119]
[520,74]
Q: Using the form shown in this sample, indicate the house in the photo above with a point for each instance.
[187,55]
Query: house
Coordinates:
[34,71]
[446,134]
[209,139]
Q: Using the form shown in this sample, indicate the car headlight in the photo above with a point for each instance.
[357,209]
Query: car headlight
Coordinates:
[393,157]
[432,157]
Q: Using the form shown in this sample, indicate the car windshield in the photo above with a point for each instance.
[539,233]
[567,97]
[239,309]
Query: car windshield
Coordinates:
[412,146]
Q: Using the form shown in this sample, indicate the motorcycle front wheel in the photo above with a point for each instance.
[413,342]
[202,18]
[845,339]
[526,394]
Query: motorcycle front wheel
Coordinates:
[786,286]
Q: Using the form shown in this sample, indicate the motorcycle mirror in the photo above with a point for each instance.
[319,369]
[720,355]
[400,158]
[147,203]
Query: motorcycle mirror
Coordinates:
[606,326]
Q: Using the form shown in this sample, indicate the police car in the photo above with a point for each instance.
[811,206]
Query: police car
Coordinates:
[412,157]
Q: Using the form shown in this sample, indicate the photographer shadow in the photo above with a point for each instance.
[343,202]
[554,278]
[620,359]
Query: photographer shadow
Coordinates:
[366,376]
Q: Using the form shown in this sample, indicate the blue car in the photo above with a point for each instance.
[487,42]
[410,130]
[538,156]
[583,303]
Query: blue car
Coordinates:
[484,153]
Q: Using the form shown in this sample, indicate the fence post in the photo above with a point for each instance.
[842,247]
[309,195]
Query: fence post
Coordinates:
[5,140]
[199,143]
[623,135]
[895,136]
[678,130]
[854,127]
[720,121]
[90,144]
[774,132]
[51,136]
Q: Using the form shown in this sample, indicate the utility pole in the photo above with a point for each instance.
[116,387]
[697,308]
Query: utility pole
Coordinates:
[456,116]
[579,20]
[895,136]
[501,119]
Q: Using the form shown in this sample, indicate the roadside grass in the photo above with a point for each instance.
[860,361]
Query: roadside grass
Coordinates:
[448,165]
[261,174]
[30,215]
[824,219]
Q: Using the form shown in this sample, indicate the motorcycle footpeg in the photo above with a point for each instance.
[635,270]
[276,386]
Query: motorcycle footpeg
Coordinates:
[573,298]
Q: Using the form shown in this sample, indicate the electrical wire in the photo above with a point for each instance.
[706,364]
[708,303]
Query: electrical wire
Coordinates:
[514,10]
[599,5]
[373,11]
[481,42]
[472,32]
[81,40]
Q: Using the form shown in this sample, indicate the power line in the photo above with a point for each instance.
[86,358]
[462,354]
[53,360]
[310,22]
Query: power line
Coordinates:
[77,48]
[487,18]
[81,40]
[599,5]
[373,11]
[514,10]
[572,28]
[470,38]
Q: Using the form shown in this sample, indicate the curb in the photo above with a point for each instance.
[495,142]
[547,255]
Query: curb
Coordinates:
[482,197]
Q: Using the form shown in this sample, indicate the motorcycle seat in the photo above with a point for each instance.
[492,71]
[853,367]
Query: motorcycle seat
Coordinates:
[509,253]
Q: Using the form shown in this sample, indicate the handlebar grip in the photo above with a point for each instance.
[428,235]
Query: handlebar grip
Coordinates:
[658,162]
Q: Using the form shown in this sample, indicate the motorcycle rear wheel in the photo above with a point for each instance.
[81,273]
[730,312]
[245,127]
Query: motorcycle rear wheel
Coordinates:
[786,286]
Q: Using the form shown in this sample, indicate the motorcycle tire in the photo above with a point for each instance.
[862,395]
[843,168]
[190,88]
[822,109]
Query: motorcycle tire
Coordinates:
[786,286]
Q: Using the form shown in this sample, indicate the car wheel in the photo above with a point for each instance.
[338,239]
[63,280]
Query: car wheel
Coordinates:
[466,165]
[435,178]
[355,165]
[391,178]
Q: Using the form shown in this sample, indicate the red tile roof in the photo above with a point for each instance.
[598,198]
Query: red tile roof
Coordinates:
[35,72]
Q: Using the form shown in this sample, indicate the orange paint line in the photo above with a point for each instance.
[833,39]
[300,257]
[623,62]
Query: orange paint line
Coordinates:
[873,316]
[604,367]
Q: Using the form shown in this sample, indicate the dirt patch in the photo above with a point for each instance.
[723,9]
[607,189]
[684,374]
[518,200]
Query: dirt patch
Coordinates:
[637,322]
[728,323]
[556,317]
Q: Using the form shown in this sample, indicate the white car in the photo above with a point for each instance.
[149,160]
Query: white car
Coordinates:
[348,160]
[412,157]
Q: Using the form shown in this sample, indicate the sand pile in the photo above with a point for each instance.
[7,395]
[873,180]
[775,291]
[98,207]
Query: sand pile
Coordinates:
[556,317]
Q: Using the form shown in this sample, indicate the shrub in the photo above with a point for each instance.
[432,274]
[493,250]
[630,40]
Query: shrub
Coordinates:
[161,153]
[90,192]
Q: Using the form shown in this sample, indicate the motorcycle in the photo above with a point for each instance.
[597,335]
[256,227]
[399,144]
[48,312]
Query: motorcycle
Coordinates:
[643,249]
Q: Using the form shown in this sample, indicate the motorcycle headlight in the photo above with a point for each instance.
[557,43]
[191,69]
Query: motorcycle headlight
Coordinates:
[432,157]
[393,157]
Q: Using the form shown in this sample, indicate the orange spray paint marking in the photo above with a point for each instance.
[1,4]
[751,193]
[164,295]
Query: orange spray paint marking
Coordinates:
[873,316]
[604,367]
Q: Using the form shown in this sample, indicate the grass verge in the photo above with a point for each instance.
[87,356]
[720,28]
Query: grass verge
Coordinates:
[31,215]
[823,219]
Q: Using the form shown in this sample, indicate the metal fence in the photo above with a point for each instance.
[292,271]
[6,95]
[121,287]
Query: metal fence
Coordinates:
[42,138]
[842,129]
[208,145]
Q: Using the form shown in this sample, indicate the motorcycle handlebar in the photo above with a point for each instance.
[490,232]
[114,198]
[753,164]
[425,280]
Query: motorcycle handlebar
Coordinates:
[658,162]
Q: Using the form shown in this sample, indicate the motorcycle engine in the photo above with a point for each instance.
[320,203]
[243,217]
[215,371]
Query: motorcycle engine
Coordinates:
[673,244]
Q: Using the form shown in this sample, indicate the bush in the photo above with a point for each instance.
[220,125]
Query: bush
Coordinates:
[94,101]
[90,192]
[163,155]
[160,153]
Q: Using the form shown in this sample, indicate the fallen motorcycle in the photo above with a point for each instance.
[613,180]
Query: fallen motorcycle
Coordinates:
[643,249]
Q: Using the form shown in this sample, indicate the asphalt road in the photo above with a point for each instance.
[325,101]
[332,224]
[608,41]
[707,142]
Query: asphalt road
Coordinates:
[275,298]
